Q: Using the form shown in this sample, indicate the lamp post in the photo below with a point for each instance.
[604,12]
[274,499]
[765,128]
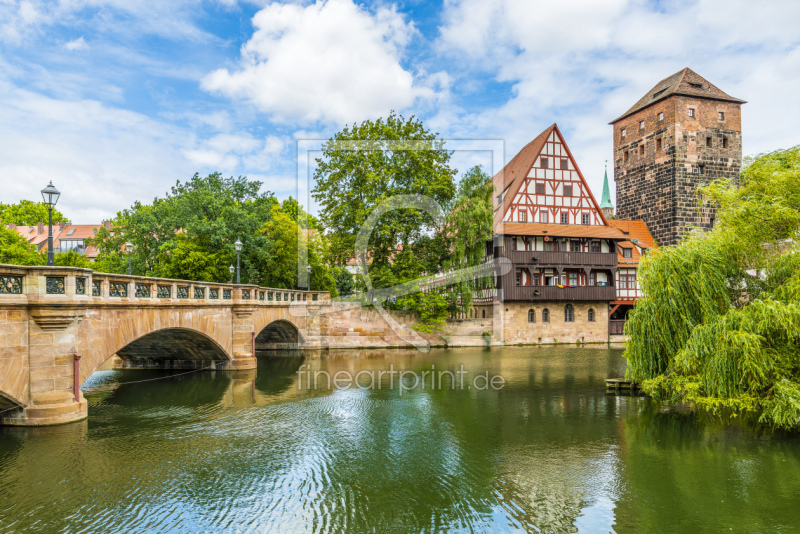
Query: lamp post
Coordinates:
[308,270]
[50,195]
[238,247]
[129,248]
[231,269]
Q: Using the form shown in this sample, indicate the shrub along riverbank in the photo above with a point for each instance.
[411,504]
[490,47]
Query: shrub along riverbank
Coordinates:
[719,325]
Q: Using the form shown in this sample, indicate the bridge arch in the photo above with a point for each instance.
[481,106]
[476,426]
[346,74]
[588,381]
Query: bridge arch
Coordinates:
[169,348]
[279,334]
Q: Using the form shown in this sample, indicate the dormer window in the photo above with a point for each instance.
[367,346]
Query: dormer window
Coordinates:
[627,253]
[696,85]
[543,163]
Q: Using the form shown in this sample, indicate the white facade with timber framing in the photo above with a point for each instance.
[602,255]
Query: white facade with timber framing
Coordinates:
[564,252]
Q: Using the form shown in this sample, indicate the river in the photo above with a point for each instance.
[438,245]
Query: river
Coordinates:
[544,448]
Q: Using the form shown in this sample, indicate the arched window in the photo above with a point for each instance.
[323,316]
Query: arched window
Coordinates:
[483,314]
[531,316]
[545,315]
[591,315]
[569,313]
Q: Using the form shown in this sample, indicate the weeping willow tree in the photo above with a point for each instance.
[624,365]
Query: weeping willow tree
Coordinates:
[719,325]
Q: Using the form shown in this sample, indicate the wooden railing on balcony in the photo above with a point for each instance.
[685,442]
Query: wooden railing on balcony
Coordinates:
[602,293]
[578,259]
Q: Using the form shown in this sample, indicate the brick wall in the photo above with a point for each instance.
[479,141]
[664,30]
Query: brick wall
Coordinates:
[658,184]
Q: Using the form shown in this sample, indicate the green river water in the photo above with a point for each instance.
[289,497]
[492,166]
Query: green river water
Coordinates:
[264,451]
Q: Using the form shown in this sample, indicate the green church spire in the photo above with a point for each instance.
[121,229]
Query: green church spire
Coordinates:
[605,202]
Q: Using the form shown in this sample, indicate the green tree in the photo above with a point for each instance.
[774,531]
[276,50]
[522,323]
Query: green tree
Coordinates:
[395,156]
[72,259]
[28,213]
[468,228]
[203,216]
[15,249]
[344,281]
[295,211]
[709,329]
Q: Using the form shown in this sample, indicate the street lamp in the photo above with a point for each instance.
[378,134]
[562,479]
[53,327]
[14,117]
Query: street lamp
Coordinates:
[50,195]
[231,269]
[308,270]
[238,247]
[129,248]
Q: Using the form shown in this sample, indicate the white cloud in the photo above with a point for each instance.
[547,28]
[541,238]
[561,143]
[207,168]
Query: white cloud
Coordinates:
[330,61]
[76,44]
[583,63]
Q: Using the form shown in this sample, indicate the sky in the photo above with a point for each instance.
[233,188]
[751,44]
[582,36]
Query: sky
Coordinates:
[116,100]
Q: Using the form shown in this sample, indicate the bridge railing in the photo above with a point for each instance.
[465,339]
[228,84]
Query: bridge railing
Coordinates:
[39,284]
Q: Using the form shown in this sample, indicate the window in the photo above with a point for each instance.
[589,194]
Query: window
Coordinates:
[661,116]
[545,315]
[641,150]
[724,142]
[627,253]
[71,231]
[625,156]
[658,144]
[641,125]
[592,279]
[519,276]
[575,246]
[573,279]
[522,215]
[595,246]
[567,190]
[531,316]
[590,315]
[543,217]
[540,189]
[691,112]
[569,313]
[701,169]
[708,142]
[564,217]
[535,279]
[721,115]
[543,163]
[564,164]
[483,314]
[585,219]
[623,281]
[623,133]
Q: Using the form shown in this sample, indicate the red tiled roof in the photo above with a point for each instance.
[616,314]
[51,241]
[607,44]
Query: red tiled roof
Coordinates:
[631,230]
[684,82]
[562,230]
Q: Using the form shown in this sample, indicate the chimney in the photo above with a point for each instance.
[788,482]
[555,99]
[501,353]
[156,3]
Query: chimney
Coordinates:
[107,224]
[41,227]
[12,226]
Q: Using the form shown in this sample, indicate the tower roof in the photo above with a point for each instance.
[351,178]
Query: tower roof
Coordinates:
[605,202]
[684,82]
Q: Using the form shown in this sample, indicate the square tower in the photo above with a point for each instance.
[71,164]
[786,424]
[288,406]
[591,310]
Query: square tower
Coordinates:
[683,133]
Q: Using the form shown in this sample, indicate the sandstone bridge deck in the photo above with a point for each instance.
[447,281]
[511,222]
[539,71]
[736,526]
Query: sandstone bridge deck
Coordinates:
[59,324]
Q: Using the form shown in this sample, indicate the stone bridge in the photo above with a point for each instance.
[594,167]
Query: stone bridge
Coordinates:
[59,324]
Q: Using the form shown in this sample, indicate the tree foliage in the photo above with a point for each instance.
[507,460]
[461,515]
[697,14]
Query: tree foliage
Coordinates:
[719,325]
[368,163]
[16,250]
[28,213]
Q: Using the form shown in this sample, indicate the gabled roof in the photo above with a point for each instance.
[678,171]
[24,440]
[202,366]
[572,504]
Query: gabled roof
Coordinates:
[508,181]
[512,175]
[631,230]
[684,82]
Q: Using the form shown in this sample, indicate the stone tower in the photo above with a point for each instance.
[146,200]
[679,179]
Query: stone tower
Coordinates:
[605,203]
[683,133]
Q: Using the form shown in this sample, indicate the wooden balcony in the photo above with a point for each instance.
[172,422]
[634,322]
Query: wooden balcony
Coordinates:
[580,293]
[547,259]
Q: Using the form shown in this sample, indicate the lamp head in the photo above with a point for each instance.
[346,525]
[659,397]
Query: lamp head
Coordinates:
[308,269]
[50,194]
[232,269]
[129,247]
[238,246]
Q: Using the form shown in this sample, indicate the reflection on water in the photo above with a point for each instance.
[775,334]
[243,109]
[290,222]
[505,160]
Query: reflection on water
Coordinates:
[251,452]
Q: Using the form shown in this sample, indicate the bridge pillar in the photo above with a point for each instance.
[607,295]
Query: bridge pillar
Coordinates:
[243,346]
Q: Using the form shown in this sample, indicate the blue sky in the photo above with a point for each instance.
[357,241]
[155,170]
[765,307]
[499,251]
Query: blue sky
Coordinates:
[116,100]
